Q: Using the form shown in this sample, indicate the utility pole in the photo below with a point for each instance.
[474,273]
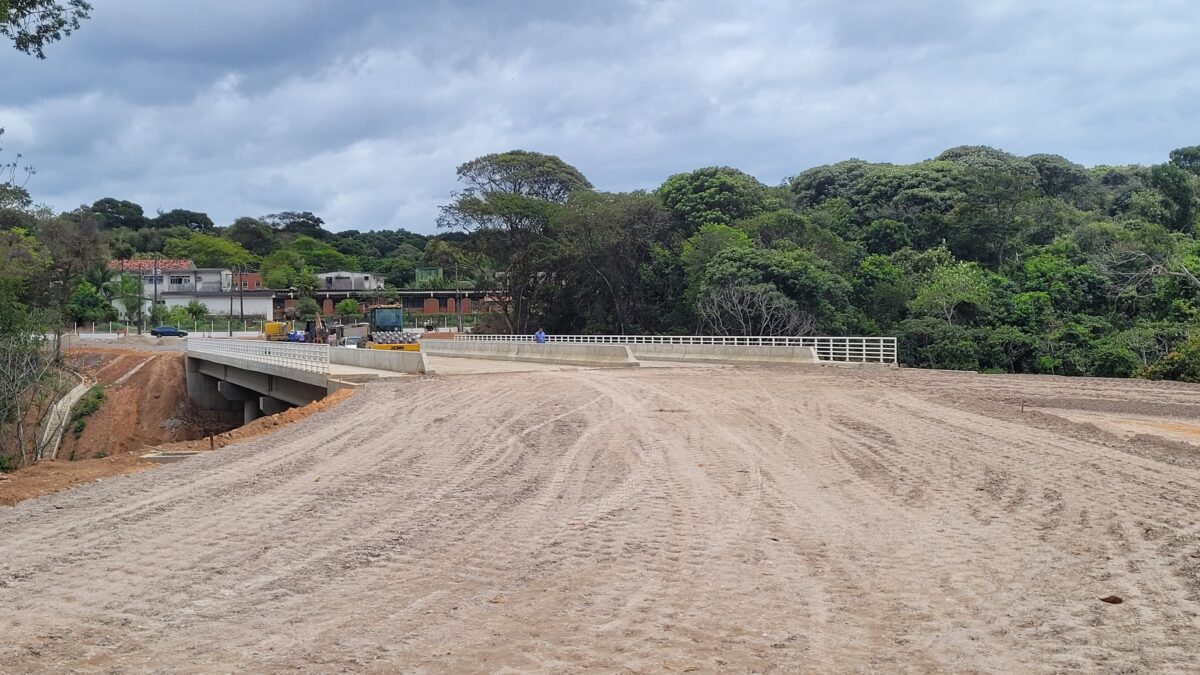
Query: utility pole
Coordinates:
[231,308]
[241,295]
[154,305]
[458,299]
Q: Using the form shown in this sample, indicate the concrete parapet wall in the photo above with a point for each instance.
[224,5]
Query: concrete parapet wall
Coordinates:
[592,355]
[379,359]
[732,354]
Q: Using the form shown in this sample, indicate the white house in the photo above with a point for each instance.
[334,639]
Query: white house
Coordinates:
[349,281]
[176,283]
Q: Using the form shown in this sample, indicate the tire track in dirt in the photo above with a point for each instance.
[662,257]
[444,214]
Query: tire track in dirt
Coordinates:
[666,519]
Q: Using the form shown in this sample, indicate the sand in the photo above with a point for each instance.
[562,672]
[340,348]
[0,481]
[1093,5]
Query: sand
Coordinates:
[649,520]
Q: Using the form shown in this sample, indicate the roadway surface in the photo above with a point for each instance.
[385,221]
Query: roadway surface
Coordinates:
[641,519]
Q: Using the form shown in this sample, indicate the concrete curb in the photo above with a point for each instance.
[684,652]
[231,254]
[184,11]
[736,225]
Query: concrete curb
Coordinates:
[724,354]
[379,359]
[586,355]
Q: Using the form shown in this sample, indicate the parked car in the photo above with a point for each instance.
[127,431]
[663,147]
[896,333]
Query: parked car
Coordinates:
[168,331]
[350,341]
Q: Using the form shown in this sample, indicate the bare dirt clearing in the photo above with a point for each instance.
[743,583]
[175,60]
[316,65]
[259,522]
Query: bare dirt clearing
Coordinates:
[643,519]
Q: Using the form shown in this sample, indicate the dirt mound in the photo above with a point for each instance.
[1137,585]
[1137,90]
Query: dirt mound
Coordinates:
[145,403]
[262,425]
[51,476]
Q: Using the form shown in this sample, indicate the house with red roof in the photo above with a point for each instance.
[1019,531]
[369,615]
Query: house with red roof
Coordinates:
[176,282]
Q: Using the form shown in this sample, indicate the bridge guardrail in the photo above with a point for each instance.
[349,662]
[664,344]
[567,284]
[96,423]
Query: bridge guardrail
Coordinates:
[309,358]
[830,348]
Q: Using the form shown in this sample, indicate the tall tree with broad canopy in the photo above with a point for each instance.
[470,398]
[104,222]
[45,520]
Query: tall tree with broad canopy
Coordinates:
[113,213]
[716,194]
[507,203]
[254,235]
[75,246]
[1187,158]
[192,220]
[302,223]
[606,242]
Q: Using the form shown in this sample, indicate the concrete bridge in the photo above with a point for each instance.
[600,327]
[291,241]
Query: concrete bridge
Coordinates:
[264,378]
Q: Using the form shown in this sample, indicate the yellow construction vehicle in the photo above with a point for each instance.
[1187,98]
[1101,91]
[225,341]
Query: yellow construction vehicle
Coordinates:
[275,330]
[387,330]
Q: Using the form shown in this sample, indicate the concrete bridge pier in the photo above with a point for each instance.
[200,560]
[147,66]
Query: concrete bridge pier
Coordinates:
[248,398]
[269,405]
[203,389]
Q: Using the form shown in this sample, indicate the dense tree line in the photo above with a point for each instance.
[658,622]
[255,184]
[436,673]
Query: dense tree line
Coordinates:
[975,259]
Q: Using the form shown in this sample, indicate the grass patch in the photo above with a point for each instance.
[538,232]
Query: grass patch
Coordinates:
[84,407]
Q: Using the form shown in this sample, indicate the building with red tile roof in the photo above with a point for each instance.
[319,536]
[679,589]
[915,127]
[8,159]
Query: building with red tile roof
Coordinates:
[162,265]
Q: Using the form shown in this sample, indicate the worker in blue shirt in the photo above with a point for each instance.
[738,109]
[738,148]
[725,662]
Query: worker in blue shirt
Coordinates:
[540,336]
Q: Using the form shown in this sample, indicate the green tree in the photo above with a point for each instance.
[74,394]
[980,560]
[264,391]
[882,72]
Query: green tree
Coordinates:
[87,304]
[949,288]
[195,310]
[718,194]
[253,235]
[285,269]
[886,236]
[348,310]
[75,246]
[129,293]
[815,288]
[112,213]
[1056,176]
[1179,188]
[930,342]
[507,203]
[605,242]
[1187,159]
[298,223]
[206,250]
[397,272]
[23,258]
[711,239]
[307,309]
[882,289]
[322,257]
[192,220]
[34,24]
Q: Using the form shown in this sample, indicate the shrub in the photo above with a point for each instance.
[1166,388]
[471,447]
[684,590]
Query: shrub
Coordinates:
[86,406]
[1182,363]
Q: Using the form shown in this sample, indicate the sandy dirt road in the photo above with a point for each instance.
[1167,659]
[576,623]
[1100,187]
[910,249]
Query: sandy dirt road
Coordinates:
[715,519]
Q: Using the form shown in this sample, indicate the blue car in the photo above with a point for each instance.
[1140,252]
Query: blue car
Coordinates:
[168,331]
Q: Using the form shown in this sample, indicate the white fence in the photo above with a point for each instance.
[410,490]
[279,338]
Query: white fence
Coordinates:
[852,349]
[298,356]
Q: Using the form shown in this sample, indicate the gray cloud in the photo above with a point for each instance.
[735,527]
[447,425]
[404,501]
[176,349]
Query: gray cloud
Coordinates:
[360,113]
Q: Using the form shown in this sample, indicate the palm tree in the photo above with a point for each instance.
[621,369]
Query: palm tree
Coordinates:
[127,290]
[101,276]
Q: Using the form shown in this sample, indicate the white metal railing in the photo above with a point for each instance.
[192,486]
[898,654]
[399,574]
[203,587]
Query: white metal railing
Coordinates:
[855,349]
[306,357]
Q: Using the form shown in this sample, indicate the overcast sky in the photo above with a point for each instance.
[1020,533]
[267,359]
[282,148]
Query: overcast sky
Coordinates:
[360,110]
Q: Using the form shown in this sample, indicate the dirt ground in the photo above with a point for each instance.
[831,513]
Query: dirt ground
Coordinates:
[145,409]
[145,401]
[640,520]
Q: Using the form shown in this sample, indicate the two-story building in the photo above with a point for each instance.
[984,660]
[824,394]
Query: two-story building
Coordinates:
[175,283]
[349,281]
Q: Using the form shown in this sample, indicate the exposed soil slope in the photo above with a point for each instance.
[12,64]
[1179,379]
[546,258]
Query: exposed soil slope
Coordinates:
[145,402]
[645,520]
